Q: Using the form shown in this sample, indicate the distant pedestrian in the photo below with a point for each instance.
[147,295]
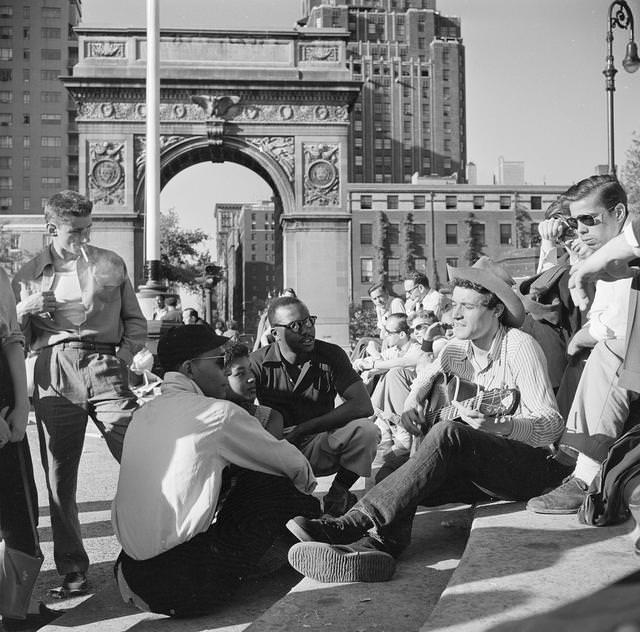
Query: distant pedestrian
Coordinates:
[190,317]
[161,308]
[231,331]
[173,314]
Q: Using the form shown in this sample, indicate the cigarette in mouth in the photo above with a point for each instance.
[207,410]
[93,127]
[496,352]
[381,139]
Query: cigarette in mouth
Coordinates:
[84,254]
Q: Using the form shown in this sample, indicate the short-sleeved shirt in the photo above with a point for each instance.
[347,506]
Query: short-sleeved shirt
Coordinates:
[326,374]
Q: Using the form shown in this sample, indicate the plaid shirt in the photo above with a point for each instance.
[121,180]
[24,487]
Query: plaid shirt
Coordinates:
[515,360]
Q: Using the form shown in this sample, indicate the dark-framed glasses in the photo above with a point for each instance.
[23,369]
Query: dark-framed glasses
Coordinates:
[296,326]
[585,220]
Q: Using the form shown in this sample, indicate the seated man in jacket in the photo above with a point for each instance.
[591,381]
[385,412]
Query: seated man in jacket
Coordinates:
[188,537]
[301,377]
[486,453]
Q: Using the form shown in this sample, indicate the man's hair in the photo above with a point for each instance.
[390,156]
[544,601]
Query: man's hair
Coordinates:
[233,353]
[191,310]
[282,301]
[67,204]
[488,298]
[558,208]
[288,291]
[423,314]
[419,279]
[608,188]
[186,342]
[401,319]
[377,286]
[171,301]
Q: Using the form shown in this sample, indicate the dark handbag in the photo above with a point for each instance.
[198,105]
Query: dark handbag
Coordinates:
[18,570]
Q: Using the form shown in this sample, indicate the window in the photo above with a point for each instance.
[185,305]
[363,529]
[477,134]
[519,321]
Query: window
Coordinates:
[26,98]
[50,74]
[26,204]
[6,142]
[505,234]
[6,203]
[366,202]
[6,11]
[451,234]
[451,201]
[50,53]
[26,54]
[50,97]
[366,270]
[50,32]
[446,145]
[419,233]
[452,261]
[26,119]
[6,54]
[505,201]
[51,119]
[478,201]
[366,234]
[536,202]
[478,233]
[393,269]
[26,142]
[393,233]
[26,163]
[420,265]
[6,162]
[6,119]
[51,141]
[26,32]
[392,201]
[26,12]
[6,182]
[6,96]
[50,12]
[26,75]
[418,201]
[26,183]
[6,32]
[445,75]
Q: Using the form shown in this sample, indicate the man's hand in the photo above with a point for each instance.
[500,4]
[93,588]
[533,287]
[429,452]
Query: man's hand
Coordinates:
[5,430]
[297,434]
[582,339]
[363,364]
[551,229]
[38,303]
[412,421]
[487,423]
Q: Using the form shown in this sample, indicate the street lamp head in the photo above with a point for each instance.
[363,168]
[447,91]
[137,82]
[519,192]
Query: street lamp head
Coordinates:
[631,61]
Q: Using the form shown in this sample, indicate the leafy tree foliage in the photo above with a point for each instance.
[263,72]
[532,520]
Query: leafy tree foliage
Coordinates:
[181,260]
[630,175]
[523,226]
[381,245]
[407,246]
[10,258]
[473,242]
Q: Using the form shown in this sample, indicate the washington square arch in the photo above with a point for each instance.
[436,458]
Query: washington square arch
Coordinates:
[275,102]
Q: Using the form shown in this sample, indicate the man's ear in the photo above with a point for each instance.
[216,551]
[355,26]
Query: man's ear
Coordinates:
[499,310]
[621,213]
[52,229]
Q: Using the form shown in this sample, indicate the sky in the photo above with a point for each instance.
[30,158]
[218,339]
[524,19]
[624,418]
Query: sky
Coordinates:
[534,87]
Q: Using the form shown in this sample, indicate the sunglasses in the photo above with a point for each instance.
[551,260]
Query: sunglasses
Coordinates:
[296,326]
[585,220]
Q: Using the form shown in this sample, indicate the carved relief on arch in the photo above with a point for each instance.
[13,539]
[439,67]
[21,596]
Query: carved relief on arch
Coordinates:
[140,150]
[321,174]
[106,173]
[280,148]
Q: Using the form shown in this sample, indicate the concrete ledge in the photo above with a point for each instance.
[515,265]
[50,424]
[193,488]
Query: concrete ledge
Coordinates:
[518,565]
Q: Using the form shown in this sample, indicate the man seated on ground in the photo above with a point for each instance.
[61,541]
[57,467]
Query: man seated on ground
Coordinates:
[188,539]
[242,389]
[190,317]
[601,403]
[421,296]
[385,305]
[173,314]
[300,377]
[483,455]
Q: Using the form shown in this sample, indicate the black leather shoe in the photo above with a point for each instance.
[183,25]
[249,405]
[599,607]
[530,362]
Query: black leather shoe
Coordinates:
[343,530]
[73,584]
[34,621]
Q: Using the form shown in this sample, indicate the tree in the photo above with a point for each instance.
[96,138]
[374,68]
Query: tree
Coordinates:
[631,174]
[181,260]
[381,245]
[11,257]
[474,241]
[407,246]
[523,225]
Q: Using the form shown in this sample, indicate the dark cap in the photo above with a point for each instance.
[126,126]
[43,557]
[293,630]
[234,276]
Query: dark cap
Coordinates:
[186,342]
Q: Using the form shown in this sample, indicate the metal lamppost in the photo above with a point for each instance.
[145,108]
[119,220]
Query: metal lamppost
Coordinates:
[620,16]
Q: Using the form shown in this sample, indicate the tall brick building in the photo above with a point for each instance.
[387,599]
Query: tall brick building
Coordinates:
[410,117]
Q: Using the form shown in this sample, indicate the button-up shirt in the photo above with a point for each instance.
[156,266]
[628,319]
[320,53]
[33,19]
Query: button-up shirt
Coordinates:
[326,374]
[112,312]
[514,360]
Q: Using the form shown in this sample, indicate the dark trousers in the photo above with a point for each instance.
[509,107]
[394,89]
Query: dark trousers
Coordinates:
[15,525]
[197,576]
[456,463]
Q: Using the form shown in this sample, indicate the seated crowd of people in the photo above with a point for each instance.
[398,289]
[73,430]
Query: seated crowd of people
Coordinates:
[488,389]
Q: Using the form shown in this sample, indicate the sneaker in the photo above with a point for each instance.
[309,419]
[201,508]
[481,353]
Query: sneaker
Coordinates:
[338,501]
[341,563]
[33,621]
[565,499]
[72,584]
[342,530]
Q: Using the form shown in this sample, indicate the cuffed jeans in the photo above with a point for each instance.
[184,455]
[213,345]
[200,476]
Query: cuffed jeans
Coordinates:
[456,463]
[201,574]
[70,386]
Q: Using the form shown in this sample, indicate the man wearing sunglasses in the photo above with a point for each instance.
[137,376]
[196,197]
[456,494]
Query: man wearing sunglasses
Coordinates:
[600,407]
[300,377]
[188,533]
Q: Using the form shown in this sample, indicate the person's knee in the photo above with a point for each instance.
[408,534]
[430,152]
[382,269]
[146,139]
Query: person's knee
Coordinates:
[366,433]
[448,434]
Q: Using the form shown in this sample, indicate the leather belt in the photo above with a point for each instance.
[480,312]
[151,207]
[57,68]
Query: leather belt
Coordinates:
[87,345]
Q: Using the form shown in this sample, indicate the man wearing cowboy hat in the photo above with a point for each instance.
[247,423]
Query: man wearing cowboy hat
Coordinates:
[477,457]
